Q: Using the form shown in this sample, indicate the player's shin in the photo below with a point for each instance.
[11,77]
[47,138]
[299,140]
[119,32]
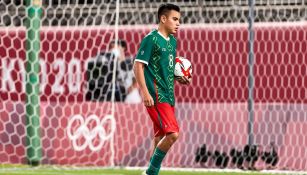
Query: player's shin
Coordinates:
[155,162]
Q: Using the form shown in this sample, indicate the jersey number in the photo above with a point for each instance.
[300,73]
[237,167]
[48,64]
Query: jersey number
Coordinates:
[171,61]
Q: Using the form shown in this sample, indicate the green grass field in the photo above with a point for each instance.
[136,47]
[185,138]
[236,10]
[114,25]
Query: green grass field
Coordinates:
[58,170]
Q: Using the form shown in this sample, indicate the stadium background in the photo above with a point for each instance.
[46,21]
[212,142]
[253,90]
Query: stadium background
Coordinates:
[212,111]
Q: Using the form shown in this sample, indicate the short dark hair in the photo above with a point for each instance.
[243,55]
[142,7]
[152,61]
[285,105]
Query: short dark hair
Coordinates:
[120,42]
[165,8]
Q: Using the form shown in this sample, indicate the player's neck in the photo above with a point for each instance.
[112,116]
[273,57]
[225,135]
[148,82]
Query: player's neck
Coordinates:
[163,32]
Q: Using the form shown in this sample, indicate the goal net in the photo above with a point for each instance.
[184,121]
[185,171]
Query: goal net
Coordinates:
[67,97]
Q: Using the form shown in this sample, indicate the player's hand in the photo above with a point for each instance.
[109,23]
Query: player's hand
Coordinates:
[147,99]
[183,80]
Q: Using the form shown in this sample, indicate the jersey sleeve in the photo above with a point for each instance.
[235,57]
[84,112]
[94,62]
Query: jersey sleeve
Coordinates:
[145,50]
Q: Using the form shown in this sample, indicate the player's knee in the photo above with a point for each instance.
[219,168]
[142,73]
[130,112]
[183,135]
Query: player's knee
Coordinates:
[157,140]
[173,137]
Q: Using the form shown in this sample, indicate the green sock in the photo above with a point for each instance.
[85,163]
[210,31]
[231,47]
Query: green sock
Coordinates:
[155,162]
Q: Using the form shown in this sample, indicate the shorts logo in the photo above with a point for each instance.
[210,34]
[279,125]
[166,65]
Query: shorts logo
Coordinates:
[87,132]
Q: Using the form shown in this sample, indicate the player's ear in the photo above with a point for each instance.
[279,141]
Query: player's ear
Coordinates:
[163,19]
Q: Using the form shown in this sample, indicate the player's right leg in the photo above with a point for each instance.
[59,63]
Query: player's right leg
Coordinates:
[157,140]
[144,173]
[166,142]
[159,135]
[165,124]
[160,152]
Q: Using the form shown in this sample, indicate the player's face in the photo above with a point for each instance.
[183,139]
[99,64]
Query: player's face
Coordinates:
[172,21]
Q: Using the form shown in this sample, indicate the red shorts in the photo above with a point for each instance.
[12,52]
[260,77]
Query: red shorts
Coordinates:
[163,118]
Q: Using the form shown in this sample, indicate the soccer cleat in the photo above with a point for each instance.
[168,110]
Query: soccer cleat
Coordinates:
[144,173]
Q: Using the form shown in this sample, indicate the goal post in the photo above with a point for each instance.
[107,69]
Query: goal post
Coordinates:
[251,81]
[33,140]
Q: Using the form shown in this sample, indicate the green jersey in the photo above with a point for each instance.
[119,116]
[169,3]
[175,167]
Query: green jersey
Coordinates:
[159,53]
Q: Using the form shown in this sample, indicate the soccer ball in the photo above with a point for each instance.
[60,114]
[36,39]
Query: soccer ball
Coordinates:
[183,67]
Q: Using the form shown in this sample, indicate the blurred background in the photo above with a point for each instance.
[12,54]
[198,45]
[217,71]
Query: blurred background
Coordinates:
[68,96]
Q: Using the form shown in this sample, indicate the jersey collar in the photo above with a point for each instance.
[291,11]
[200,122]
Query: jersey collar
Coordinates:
[167,39]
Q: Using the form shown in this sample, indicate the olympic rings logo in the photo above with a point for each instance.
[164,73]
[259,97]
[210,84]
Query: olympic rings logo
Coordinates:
[90,134]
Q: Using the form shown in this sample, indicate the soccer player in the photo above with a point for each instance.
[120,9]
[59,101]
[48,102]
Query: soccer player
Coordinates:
[154,72]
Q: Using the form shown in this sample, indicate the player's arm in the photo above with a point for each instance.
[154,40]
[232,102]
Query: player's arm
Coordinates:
[138,69]
[142,60]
